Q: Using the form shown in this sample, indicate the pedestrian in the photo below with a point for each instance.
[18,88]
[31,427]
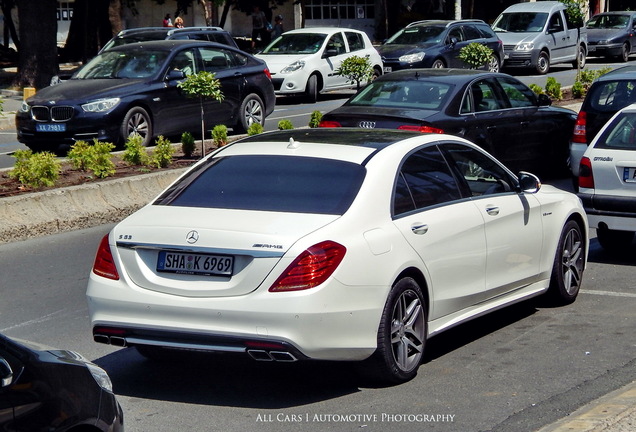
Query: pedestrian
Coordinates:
[178,22]
[278,26]
[259,23]
[167,22]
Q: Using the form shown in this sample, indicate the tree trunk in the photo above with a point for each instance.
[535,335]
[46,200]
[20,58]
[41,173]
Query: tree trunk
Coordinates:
[93,24]
[37,58]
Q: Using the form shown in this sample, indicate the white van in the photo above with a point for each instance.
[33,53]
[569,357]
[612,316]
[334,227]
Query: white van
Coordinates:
[540,34]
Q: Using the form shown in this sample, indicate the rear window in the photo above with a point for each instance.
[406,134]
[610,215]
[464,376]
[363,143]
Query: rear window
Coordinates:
[429,95]
[612,96]
[269,183]
[621,134]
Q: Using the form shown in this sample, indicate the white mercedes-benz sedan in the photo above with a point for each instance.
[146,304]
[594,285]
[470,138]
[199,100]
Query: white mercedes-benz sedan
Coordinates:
[333,244]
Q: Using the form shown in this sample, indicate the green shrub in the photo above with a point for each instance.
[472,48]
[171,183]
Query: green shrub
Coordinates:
[255,129]
[80,155]
[162,156]
[135,152]
[314,120]
[578,90]
[35,169]
[537,89]
[187,144]
[285,125]
[553,88]
[475,55]
[102,164]
[219,135]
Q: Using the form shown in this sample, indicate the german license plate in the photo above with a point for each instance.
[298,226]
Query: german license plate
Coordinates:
[195,263]
[50,127]
[591,48]
[388,69]
[629,175]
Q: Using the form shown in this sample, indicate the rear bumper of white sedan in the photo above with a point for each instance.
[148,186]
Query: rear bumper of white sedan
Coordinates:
[330,322]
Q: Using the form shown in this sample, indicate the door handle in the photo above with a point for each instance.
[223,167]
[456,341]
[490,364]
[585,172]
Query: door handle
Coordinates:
[525,123]
[419,228]
[492,210]
[491,128]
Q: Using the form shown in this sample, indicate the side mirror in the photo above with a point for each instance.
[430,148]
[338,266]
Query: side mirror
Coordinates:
[453,41]
[175,74]
[529,183]
[330,52]
[544,100]
[6,373]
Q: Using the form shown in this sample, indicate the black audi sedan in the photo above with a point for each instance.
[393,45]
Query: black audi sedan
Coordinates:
[494,110]
[133,88]
[43,389]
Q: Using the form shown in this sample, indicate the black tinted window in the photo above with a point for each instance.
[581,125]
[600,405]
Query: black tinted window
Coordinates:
[621,134]
[471,32]
[355,41]
[269,183]
[611,96]
[426,180]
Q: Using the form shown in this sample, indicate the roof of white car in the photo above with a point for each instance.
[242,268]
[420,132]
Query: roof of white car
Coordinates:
[326,30]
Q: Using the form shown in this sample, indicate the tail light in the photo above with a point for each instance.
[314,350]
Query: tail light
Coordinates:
[329,124]
[104,264]
[268,74]
[579,134]
[422,129]
[586,177]
[311,268]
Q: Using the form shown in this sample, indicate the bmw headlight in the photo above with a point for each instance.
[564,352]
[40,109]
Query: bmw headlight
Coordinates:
[101,105]
[25,108]
[413,58]
[100,376]
[297,65]
[525,46]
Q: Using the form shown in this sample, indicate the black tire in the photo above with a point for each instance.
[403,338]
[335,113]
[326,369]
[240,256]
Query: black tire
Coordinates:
[569,262]
[493,65]
[137,120]
[624,55]
[252,110]
[543,63]
[311,91]
[401,335]
[581,58]
[614,241]
[438,64]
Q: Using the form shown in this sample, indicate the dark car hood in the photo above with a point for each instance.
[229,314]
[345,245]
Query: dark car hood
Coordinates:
[85,90]
[397,50]
[352,112]
[595,35]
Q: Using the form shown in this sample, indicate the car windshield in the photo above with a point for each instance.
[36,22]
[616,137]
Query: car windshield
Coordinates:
[417,35]
[423,94]
[520,22]
[621,134]
[608,22]
[296,43]
[139,63]
[269,183]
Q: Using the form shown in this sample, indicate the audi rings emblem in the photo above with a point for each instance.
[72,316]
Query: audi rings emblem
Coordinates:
[367,124]
[192,237]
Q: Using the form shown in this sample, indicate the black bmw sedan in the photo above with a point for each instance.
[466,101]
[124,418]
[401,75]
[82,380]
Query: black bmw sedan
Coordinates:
[44,389]
[493,110]
[133,89]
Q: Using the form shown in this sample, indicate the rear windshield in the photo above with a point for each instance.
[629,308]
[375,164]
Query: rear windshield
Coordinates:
[269,183]
[611,96]
[403,94]
[621,134]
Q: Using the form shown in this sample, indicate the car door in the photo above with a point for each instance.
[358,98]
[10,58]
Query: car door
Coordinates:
[455,41]
[226,67]
[446,231]
[333,55]
[559,39]
[512,220]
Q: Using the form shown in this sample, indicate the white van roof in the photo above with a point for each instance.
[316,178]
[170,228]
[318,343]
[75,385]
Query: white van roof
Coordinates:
[537,6]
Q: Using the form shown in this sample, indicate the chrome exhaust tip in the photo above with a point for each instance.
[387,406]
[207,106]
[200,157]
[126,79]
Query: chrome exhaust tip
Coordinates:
[118,341]
[260,355]
[282,356]
[101,339]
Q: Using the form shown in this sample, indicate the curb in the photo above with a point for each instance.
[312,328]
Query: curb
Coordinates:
[76,207]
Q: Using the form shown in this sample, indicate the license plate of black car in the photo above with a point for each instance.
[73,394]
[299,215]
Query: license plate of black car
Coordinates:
[195,263]
[50,127]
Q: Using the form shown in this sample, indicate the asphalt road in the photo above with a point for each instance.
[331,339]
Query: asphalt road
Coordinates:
[512,371]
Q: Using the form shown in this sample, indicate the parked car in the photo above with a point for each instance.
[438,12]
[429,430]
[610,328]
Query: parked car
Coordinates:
[540,34]
[145,34]
[495,111]
[436,44]
[304,61]
[607,181]
[612,34]
[605,97]
[133,89]
[46,389]
[333,245]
